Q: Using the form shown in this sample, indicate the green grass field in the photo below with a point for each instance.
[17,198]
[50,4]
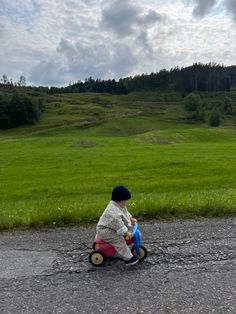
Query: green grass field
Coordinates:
[62,170]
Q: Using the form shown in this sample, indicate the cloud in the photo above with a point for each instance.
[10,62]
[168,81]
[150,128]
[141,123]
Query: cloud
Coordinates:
[53,43]
[125,18]
[151,18]
[143,41]
[203,7]
[76,61]
[120,17]
[18,12]
[109,47]
[49,73]
[231,7]
[2,30]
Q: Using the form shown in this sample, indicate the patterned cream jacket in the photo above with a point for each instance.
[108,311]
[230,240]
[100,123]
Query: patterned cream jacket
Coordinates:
[115,218]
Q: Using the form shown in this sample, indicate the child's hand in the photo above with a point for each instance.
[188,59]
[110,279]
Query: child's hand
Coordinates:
[128,235]
[133,220]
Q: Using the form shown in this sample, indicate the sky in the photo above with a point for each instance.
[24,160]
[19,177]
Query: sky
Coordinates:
[56,42]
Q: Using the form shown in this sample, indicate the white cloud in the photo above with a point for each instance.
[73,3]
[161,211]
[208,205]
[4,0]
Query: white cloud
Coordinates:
[52,42]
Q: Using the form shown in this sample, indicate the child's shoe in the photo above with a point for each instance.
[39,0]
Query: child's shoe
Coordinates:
[134,260]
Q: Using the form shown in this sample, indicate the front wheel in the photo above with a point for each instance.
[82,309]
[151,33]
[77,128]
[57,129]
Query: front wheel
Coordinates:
[143,252]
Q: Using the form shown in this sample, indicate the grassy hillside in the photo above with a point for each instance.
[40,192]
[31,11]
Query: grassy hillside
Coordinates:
[88,109]
[63,168]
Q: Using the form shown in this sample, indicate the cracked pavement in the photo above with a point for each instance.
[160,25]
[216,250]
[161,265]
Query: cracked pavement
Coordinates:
[190,268]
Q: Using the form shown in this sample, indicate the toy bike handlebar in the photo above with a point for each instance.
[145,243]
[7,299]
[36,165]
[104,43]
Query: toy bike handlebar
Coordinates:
[135,229]
[136,238]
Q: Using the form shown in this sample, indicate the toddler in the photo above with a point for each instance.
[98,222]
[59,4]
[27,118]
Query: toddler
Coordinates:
[116,222]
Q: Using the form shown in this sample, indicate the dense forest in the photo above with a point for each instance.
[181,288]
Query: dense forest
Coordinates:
[198,77]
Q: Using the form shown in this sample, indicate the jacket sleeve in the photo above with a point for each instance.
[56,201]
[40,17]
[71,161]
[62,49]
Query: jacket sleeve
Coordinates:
[122,230]
[118,224]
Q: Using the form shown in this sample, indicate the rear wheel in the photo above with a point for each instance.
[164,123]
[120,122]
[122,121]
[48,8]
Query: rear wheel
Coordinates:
[96,258]
[143,252]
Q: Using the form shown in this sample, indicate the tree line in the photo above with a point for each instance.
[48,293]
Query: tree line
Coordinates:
[4,80]
[198,77]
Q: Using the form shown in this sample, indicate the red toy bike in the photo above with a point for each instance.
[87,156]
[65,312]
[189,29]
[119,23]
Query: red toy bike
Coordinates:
[103,250]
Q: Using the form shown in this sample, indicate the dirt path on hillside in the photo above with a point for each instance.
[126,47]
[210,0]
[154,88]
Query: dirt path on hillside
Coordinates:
[191,268]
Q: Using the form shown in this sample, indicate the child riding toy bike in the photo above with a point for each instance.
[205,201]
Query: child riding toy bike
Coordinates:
[103,250]
[114,231]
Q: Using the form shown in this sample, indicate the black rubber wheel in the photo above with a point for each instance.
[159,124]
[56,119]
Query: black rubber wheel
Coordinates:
[95,246]
[96,258]
[143,252]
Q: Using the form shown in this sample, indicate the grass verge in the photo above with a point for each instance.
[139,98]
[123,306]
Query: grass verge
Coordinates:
[66,176]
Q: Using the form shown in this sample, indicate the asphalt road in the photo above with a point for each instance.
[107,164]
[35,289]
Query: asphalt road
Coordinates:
[190,268]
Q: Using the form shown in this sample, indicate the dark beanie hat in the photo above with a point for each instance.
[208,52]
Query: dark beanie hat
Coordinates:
[120,193]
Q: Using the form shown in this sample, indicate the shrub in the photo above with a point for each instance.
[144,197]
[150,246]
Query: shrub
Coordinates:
[16,110]
[214,119]
[194,106]
[192,102]
[227,106]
